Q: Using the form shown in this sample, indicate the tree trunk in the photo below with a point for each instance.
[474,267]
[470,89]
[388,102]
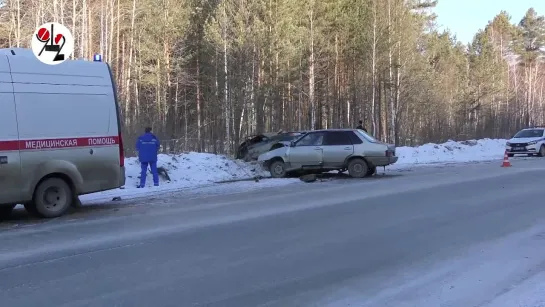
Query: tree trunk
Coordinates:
[311,76]
[226,101]
[374,71]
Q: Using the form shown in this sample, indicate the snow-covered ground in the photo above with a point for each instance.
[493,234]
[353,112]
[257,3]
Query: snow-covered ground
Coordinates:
[189,171]
[451,151]
[197,170]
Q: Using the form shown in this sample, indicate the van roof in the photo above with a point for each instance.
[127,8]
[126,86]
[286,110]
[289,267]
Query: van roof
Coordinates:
[17,51]
[23,62]
[26,52]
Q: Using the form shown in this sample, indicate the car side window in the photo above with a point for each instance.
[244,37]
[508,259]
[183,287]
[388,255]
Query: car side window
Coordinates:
[311,139]
[337,138]
[354,138]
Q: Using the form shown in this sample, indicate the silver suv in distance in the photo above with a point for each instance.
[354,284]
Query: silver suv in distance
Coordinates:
[327,150]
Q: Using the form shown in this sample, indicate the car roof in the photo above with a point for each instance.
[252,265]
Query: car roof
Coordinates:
[327,130]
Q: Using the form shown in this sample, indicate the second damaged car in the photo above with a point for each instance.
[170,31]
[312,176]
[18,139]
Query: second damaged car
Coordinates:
[328,150]
[253,146]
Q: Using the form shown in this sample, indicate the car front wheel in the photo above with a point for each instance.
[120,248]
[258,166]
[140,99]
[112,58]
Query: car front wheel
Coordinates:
[278,169]
[541,151]
[357,168]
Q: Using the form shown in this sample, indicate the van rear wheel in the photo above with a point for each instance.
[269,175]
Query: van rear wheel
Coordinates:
[52,198]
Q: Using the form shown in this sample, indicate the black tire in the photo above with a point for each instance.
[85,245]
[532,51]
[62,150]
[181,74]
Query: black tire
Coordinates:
[372,170]
[277,169]
[541,151]
[52,198]
[5,211]
[357,168]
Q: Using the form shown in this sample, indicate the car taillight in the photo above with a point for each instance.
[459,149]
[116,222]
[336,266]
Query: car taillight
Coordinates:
[389,153]
[121,151]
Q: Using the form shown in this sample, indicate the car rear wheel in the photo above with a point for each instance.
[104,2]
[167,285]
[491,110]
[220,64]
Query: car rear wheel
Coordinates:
[357,168]
[278,169]
[541,151]
[52,198]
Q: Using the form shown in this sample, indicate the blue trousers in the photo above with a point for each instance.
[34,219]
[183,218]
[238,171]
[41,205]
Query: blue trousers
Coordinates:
[153,166]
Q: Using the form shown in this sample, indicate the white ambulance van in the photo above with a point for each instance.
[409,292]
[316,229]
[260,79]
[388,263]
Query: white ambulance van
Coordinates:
[60,133]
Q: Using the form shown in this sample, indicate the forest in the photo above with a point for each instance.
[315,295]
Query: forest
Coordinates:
[206,74]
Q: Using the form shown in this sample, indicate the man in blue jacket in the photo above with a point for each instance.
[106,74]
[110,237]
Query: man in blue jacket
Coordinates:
[148,146]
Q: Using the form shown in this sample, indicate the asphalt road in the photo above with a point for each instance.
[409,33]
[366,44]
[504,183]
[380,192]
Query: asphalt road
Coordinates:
[451,236]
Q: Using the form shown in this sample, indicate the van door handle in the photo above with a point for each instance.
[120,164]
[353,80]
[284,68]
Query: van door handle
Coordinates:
[347,148]
[318,148]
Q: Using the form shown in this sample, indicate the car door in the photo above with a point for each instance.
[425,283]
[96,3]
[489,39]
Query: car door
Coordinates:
[10,159]
[337,148]
[307,151]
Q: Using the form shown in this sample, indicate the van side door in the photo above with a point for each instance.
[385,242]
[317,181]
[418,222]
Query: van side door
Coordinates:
[10,159]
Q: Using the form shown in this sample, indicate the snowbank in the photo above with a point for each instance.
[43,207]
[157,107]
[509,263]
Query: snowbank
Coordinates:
[451,151]
[195,169]
[191,170]
[186,171]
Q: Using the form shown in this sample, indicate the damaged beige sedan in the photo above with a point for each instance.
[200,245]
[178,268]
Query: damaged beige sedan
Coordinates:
[319,151]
